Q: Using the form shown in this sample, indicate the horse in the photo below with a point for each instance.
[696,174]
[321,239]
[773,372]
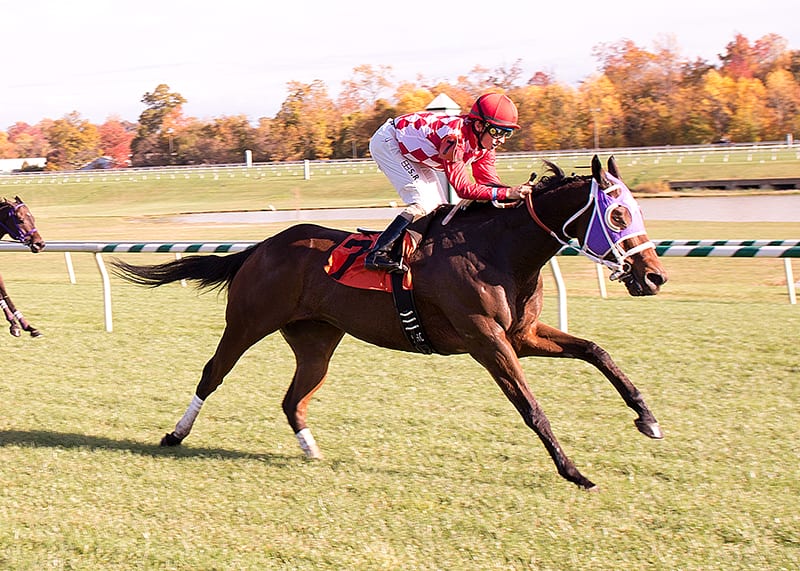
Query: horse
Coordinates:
[477,285]
[17,221]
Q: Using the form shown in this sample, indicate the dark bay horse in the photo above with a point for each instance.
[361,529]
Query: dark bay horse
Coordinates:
[478,288]
[17,221]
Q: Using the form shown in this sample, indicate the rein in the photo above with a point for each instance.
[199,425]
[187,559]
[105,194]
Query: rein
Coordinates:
[14,230]
[542,225]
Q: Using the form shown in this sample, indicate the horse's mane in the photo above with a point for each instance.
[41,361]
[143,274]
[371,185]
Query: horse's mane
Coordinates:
[554,177]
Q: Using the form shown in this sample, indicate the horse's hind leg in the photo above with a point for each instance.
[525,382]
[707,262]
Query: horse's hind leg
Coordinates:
[313,343]
[552,342]
[230,348]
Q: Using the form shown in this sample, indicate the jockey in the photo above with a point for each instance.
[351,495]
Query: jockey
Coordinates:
[410,149]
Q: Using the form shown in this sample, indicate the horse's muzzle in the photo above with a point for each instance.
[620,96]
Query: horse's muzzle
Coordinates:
[36,245]
[648,283]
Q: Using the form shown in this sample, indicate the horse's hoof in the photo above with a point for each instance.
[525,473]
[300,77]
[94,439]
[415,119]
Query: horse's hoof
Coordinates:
[15,331]
[35,333]
[651,429]
[585,483]
[170,440]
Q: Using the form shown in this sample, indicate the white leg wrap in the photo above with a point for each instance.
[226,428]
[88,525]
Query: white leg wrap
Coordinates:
[308,444]
[184,425]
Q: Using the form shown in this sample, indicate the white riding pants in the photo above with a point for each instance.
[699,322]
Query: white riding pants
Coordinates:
[419,186]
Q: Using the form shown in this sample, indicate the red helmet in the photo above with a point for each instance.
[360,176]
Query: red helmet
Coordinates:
[495,108]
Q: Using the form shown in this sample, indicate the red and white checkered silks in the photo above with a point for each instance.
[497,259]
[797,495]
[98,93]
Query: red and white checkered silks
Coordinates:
[408,151]
[420,136]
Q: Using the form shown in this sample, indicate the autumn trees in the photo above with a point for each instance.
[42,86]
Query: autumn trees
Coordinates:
[70,142]
[637,97]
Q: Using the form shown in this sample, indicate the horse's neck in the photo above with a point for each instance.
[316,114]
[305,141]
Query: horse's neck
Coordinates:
[558,207]
[508,236]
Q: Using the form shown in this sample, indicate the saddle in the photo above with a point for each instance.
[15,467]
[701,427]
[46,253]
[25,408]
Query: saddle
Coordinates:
[346,266]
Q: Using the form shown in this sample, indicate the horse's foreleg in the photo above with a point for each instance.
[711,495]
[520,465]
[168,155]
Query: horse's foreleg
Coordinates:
[313,344]
[551,342]
[8,309]
[506,370]
[14,328]
[17,321]
[26,326]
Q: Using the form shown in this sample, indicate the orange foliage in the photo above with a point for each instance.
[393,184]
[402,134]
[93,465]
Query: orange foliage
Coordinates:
[638,97]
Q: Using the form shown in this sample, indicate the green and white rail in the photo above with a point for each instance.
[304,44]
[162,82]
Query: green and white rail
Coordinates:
[786,249]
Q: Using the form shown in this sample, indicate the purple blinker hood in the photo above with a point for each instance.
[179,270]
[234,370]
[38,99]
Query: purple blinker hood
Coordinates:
[603,236]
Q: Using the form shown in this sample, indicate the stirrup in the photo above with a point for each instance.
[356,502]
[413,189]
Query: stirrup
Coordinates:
[380,261]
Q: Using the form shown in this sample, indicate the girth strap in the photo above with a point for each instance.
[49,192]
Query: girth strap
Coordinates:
[409,317]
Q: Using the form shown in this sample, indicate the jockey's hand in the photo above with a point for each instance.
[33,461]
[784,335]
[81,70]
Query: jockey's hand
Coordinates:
[518,192]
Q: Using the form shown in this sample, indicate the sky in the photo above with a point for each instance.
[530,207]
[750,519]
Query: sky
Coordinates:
[235,57]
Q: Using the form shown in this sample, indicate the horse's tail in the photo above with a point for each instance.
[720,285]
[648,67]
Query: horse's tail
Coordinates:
[209,272]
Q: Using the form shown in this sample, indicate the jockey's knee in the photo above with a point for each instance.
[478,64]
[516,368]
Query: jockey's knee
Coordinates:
[414,212]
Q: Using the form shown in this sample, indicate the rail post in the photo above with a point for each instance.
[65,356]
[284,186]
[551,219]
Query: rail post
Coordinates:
[98,258]
[562,295]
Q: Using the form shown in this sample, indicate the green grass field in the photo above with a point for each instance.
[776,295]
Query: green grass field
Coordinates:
[427,465]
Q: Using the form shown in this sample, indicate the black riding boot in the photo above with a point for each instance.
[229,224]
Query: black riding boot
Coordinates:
[382,256]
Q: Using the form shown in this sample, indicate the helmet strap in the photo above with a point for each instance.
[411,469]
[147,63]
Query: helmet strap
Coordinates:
[479,134]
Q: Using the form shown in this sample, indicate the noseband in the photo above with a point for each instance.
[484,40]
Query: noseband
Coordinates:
[602,237]
[10,225]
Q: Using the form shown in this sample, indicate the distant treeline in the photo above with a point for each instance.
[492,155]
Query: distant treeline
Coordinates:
[637,98]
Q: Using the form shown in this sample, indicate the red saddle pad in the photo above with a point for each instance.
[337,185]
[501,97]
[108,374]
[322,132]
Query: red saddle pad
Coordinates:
[346,263]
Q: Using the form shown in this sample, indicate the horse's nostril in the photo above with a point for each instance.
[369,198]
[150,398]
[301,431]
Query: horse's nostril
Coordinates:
[656,279]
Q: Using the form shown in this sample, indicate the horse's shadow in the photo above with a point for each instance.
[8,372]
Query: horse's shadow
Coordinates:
[50,439]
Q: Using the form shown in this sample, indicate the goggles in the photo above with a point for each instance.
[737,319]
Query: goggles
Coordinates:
[496,132]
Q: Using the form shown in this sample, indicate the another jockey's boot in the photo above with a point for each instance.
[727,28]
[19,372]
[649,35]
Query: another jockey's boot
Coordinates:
[383,256]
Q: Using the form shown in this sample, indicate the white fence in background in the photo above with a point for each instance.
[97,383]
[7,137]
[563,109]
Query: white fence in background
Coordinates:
[722,154]
[785,249]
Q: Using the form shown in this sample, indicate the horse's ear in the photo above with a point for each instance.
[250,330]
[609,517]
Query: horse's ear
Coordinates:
[597,169]
[612,167]
[18,199]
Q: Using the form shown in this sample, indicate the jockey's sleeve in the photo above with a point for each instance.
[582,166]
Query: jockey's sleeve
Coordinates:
[485,175]
[484,170]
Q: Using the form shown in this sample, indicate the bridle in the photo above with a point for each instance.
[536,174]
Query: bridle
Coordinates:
[13,229]
[603,237]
